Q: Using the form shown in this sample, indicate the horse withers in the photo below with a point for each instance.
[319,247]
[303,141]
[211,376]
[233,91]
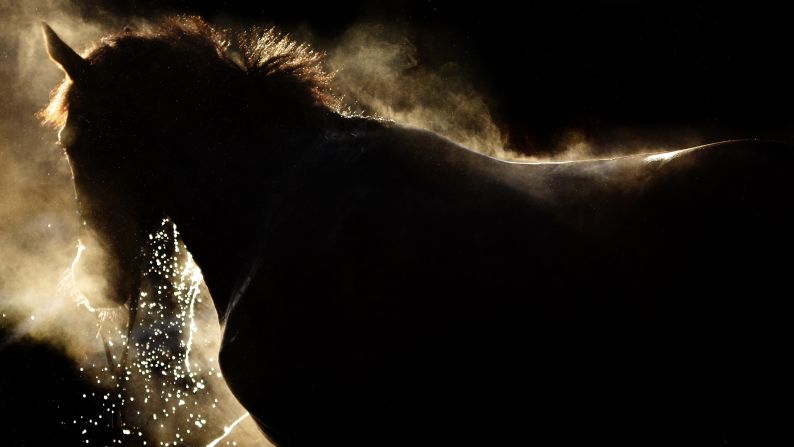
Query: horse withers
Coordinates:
[381,285]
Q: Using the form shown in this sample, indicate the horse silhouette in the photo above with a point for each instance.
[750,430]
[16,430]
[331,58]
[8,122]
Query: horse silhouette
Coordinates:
[382,285]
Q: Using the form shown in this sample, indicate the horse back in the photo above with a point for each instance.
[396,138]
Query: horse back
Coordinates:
[412,291]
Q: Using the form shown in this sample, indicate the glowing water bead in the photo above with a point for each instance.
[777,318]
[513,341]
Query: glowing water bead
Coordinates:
[160,368]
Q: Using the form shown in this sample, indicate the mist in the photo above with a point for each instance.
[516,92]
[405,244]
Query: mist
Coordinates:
[380,73]
[38,219]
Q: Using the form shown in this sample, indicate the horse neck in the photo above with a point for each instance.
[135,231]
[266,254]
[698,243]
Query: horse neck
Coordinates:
[222,223]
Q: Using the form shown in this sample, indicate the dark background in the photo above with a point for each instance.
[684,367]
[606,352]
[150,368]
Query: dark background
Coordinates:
[656,72]
[649,71]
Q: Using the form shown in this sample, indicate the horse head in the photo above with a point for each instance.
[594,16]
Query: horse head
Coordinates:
[157,123]
[113,195]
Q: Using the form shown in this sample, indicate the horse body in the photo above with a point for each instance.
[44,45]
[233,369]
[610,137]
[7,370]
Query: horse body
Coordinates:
[384,286]
[432,295]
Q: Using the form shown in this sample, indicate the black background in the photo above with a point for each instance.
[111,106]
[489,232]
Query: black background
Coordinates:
[657,72]
[653,71]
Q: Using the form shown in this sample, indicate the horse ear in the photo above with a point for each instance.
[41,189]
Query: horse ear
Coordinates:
[75,66]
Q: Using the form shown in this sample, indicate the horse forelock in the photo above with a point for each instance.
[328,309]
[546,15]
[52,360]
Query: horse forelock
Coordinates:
[270,61]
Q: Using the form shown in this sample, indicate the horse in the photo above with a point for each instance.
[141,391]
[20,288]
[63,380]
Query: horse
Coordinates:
[382,285]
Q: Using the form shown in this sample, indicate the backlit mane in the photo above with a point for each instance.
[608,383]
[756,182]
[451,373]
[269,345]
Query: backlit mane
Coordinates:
[290,73]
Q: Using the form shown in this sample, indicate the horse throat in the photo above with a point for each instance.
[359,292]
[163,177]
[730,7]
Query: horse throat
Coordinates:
[223,221]
[225,249]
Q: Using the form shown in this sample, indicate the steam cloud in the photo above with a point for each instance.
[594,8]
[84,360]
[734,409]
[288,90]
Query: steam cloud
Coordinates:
[379,72]
[379,69]
[38,222]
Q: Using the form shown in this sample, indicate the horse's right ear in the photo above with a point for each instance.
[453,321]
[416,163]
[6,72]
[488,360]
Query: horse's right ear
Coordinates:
[75,66]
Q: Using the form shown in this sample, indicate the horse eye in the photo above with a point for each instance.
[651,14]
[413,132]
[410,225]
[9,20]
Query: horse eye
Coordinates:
[67,136]
[75,126]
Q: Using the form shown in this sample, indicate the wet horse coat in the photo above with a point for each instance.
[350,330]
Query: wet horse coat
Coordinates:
[384,286]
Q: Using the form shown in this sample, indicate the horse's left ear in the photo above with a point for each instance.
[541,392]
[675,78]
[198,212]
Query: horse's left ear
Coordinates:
[75,66]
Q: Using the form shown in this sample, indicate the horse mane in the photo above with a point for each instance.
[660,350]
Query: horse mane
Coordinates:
[291,73]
